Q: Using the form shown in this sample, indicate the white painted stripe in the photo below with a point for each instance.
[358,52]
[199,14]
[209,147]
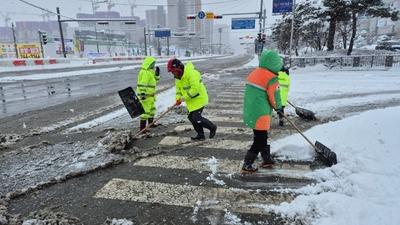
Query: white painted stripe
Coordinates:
[224,106]
[224,112]
[237,200]
[226,166]
[215,143]
[224,130]
[231,101]
[240,96]
[232,92]
[226,119]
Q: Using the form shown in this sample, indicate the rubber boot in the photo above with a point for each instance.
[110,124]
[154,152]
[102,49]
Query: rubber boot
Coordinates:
[142,125]
[198,137]
[268,162]
[150,120]
[211,126]
[249,159]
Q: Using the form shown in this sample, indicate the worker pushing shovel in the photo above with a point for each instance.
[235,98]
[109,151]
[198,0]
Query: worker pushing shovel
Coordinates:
[190,88]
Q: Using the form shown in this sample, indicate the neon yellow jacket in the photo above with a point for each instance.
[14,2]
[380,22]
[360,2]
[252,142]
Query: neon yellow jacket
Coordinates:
[284,85]
[190,88]
[146,86]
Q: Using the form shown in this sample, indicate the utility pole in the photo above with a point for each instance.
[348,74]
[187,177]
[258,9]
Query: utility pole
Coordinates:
[291,33]
[168,46]
[145,42]
[220,40]
[260,15]
[95,26]
[15,40]
[158,46]
[61,33]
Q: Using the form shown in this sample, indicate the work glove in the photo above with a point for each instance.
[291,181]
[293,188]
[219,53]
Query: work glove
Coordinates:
[142,96]
[157,71]
[178,102]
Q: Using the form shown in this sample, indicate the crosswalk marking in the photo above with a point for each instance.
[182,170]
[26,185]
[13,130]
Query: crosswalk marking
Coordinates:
[232,92]
[216,143]
[244,201]
[226,119]
[227,166]
[233,101]
[223,106]
[221,129]
[237,113]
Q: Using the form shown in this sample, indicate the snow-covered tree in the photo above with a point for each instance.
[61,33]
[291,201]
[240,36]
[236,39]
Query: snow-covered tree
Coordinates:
[374,8]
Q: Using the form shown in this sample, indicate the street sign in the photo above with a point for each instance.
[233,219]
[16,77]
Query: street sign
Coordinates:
[282,6]
[243,23]
[209,15]
[201,15]
[162,33]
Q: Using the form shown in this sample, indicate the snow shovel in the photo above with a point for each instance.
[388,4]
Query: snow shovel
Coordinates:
[155,120]
[328,155]
[304,113]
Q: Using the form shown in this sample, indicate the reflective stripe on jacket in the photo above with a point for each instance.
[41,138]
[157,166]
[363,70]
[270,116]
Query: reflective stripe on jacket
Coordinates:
[284,86]
[261,96]
[191,89]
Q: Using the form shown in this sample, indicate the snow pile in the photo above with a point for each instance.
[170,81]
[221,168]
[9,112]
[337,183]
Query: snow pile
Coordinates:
[336,93]
[363,187]
[212,163]
[47,217]
[9,139]
[118,142]
[253,63]
[118,222]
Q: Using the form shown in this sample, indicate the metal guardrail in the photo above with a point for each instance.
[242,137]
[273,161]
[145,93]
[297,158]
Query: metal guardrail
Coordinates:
[362,61]
[36,93]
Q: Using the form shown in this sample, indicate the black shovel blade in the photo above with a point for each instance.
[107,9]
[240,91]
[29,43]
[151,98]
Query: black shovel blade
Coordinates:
[305,114]
[328,155]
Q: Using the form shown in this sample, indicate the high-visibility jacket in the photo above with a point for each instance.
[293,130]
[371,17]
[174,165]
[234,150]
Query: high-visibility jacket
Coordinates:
[146,86]
[284,86]
[191,89]
[261,97]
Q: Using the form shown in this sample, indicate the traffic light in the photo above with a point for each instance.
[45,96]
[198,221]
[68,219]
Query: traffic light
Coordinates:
[44,37]
[259,37]
[264,37]
[217,17]
[191,17]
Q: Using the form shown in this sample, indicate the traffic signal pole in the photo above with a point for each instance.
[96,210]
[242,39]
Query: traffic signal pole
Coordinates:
[15,40]
[41,43]
[291,33]
[61,33]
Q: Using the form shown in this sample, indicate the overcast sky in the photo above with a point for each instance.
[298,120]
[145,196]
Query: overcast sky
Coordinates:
[19,11]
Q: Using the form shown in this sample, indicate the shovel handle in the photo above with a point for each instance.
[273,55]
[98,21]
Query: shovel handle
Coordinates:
[298,130]
[155,120]
[291,104]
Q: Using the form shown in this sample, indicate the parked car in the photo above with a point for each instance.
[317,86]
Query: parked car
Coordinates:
[388,45]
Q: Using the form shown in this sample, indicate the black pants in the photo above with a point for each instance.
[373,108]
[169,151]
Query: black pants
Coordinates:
[280,115]
[199,122]
[260,145]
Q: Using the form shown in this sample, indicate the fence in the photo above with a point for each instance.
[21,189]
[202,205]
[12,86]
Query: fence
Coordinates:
[365,61]
[22,96]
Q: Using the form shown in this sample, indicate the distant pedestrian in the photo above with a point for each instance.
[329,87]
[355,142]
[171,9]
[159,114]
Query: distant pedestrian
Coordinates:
[191,89]
[147,80]
[261,97]
[284,86]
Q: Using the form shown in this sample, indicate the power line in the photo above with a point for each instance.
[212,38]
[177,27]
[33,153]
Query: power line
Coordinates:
[43,9]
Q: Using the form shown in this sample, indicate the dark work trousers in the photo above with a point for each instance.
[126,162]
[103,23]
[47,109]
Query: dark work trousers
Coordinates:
[280,115]
[199,122]
[260,145]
